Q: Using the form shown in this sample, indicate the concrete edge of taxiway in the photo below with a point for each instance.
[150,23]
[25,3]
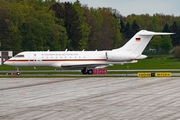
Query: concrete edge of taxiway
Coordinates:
[111,73]
[93,75]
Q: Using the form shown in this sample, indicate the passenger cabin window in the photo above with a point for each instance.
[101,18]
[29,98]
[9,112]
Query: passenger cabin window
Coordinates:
[18,56]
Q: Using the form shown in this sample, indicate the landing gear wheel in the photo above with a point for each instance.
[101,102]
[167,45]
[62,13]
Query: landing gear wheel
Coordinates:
[84,71]
[90,71]
[87,71]
[18,73]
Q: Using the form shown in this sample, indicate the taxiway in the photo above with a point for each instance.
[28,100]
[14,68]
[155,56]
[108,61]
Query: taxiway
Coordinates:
[111,98]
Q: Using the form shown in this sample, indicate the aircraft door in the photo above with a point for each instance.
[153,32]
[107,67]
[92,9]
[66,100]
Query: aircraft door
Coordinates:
[32,59]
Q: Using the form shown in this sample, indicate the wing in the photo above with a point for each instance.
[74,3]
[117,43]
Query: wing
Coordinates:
[80,66]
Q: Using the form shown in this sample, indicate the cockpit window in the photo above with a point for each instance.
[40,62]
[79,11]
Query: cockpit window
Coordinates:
[19,56]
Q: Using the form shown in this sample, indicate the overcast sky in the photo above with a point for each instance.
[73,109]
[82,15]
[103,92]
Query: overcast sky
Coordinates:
[127,7]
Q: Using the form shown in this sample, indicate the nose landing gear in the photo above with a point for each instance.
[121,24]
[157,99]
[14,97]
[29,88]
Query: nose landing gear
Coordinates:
[16,72]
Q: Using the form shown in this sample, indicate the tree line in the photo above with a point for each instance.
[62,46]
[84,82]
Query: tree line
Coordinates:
[40,25]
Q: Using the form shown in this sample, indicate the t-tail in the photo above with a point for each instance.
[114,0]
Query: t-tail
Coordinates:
[139,41]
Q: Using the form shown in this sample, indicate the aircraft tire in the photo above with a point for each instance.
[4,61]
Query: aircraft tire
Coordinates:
[90,71]
[84,71]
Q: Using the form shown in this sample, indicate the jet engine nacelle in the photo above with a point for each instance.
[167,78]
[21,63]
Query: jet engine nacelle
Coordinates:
[119,56]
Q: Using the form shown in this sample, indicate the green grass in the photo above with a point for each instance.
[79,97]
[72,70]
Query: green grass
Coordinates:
[5,67]
[152,62]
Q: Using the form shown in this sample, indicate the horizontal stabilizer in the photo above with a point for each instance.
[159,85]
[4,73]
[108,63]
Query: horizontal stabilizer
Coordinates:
[145,32]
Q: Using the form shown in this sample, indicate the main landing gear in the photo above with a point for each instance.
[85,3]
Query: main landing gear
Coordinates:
[87,71]
[94,71]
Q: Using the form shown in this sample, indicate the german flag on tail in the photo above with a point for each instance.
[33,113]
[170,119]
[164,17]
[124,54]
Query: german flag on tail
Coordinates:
[138,39]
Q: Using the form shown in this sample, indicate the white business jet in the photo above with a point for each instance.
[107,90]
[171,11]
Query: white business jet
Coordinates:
[87,61]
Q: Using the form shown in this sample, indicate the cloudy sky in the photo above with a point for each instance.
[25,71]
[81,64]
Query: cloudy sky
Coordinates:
[127,7]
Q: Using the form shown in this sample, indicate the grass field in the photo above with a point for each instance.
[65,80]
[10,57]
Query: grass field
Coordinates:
[152,62]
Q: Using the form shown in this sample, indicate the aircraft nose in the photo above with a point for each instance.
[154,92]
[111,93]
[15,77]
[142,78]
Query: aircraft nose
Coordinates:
[7,62]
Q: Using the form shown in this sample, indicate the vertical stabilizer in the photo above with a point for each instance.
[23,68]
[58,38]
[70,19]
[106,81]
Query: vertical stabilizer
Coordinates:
[139,41]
